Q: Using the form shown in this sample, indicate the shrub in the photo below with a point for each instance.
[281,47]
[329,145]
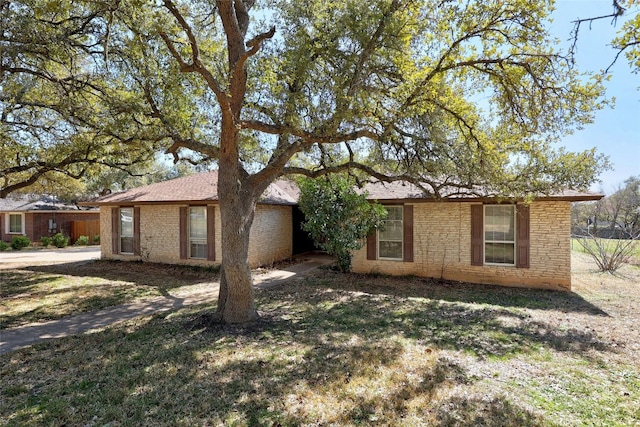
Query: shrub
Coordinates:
[60,240]
[337,218]
[3,246]
[82,241]
[608,254]
[19,242]
[45,241]
[96,239]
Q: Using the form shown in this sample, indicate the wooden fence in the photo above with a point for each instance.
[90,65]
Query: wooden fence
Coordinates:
[85,228]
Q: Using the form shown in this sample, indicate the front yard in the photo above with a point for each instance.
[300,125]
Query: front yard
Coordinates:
[332,349]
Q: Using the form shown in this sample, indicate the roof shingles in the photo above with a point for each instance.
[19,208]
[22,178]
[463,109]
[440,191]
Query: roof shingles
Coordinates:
[191,188]
[203,187]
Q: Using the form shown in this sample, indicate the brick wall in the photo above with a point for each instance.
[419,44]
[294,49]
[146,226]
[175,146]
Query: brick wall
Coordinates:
[442,248]
[36,224]
[160,235]
[271,235]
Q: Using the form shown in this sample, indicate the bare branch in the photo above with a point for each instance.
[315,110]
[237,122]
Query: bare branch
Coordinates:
[618,11]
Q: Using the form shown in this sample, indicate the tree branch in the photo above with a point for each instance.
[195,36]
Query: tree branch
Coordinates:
[196,64]
[306,136]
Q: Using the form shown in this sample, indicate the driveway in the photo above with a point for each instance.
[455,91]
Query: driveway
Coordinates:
[70,254]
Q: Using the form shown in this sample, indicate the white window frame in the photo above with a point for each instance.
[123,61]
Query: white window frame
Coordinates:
[121,234]
[485,241]
[8,216]
[197,240]
[378,240]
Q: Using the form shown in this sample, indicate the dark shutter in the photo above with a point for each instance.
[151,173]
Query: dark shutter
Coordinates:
[136,231]
[372,243]
[115,230]
[211,233]
[407,237]
[522,236]
[184,232]
[477,240]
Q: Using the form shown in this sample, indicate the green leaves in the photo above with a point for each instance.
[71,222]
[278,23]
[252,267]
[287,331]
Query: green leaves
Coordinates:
[337,217]
[463,93]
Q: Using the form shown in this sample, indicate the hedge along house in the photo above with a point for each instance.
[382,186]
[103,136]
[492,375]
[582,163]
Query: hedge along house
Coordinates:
[178,222]
[36,216]
[472,239]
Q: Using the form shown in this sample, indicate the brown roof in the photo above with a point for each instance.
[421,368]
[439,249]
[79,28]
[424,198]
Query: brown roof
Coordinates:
[203,187]
[38,203]
[402,190]
[192,188]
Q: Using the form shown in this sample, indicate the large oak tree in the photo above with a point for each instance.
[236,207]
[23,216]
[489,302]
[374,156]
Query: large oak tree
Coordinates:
[456,95]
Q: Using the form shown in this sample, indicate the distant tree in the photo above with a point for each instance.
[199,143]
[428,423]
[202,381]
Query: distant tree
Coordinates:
[112,180]
[622,208]
[609,229]
[617,215]
[337,217]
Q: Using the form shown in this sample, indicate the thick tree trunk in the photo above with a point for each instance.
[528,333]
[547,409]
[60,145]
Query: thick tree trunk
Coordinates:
[237,206]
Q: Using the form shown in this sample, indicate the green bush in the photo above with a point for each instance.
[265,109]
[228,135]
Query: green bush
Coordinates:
[45,241]
[82,241]
[60,240]
[3,246]
[19,242]
[96,239]
[337,218]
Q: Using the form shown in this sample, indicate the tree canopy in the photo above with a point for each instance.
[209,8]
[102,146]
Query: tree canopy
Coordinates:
[461,93]
[468,95]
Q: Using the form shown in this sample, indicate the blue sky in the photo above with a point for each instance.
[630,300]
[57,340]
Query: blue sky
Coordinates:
[615,132]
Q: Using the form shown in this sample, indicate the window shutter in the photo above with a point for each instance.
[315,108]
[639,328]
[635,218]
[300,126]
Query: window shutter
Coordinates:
[184,232]
[522,236]
[211,233]
[476,235]
[372,243]
[136,231]
[115,230]
[407,238]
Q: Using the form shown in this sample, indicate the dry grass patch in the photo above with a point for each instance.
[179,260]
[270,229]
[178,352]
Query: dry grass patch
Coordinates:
[48,292]
[337,349]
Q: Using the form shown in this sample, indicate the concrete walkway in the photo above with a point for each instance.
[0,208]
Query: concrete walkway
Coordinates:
[68,254]
[23,336]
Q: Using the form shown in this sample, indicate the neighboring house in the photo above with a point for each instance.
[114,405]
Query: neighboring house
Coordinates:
[472,239]
[37,216]
[464,238]
[178,221]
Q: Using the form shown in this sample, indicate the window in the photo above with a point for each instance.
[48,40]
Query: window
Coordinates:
[15,223]
[198,232]
[499,234]
[126,230]
[390,240]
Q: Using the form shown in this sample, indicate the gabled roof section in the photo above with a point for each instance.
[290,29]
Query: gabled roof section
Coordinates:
[37,203]
[201,187]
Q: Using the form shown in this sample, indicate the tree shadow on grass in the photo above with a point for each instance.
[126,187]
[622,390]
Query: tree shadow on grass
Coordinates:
[164,276]
[453,291]
[18,282]
[478,411]
[482,329]
[315,357]
[319,356]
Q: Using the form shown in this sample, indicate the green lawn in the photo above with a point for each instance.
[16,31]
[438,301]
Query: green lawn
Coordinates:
[607,244]
[337,349]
